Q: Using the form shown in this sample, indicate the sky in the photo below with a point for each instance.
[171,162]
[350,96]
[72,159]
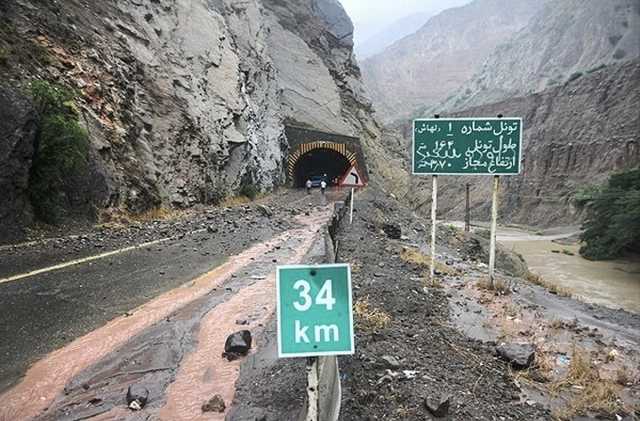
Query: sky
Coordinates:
[371,16]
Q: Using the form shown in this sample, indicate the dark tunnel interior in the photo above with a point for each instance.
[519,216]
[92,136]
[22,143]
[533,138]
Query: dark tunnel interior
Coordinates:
[319,162]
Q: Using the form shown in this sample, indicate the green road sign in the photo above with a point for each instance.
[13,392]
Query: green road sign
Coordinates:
[314,310]
[451,146]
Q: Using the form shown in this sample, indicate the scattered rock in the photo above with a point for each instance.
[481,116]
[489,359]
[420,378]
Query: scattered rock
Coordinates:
[137,397]
[265,210]
[237,345]
[520,356]
[438,408]
[215,404]
[393,231]
[390,362]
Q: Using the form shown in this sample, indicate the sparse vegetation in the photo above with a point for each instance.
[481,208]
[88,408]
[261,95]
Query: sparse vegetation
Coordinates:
[4,56]
[595,69]
[612,224]
[61,150]
[574,76]
[552,288]
[594,394]
[500,286]
[250,191]
[415,257]
[369,318]
[585,194]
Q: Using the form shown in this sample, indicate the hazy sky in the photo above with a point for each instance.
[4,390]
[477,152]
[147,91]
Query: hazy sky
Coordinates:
[371,16]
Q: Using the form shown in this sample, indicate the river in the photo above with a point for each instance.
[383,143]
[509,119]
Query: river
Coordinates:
[614,283]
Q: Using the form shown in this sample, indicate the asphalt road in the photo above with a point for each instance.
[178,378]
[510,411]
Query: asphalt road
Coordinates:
[44,312]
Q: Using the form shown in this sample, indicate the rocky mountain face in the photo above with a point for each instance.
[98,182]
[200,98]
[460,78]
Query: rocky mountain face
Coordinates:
[575,135]
[563,40]
[390,34]
[185,101]
[426,67]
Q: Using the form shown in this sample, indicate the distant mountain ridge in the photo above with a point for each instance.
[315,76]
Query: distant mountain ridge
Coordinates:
[426,67]
[563,40]
[390,34]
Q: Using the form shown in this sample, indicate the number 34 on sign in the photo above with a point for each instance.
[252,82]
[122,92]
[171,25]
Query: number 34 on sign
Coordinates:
[315,314]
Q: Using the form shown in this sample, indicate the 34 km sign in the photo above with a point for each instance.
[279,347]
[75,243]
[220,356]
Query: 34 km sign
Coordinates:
[314,310]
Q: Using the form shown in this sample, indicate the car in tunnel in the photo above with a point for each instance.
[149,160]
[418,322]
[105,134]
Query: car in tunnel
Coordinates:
[316,180]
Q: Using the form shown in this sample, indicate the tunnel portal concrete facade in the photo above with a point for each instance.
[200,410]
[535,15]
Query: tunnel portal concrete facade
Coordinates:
[333,147]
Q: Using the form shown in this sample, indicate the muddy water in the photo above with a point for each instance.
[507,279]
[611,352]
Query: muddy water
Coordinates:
[615,284]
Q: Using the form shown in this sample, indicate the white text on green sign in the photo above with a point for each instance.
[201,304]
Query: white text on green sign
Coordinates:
[467,146]
[314,310]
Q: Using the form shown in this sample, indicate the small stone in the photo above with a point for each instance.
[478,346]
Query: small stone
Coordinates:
[520,356]
[265,210]
[438,408]
[390,362]
[215,404]
[137,397]
[393,231]
[237,345]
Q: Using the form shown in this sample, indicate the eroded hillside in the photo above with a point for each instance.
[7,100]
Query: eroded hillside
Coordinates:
[575,136]
[184,101]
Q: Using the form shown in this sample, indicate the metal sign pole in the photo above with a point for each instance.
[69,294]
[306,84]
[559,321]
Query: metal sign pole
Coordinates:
[351,207]
[434,206]
[467,211]
[312,389]
[494,225]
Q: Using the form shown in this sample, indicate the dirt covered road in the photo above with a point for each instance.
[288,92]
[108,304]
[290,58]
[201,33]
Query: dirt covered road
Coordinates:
[152,315]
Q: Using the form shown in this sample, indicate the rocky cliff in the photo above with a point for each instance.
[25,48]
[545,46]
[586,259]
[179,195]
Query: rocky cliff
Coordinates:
[575,136]
[563,40]
[426,67]
[185,101]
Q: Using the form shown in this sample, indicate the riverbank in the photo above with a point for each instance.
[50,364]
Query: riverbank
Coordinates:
[419,343]
[552,254]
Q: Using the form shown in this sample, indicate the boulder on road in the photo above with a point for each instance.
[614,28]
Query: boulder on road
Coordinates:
[137,397]
[237,345]
[215,404]
[520,356]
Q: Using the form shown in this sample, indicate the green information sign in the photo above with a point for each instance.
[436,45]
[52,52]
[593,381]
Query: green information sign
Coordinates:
[451,146]
[314,310]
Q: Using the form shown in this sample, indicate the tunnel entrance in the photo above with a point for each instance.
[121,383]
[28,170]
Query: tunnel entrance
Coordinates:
[320,162]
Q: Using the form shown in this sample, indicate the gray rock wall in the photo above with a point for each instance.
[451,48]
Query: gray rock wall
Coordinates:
[186,100]
[17,136]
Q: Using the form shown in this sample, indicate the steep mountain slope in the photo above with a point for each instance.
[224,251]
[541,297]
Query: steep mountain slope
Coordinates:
[184,101]
[565,38]
[426,67]
[390,34]
[575,136]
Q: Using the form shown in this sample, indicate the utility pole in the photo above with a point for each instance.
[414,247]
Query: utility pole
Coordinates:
[467,211]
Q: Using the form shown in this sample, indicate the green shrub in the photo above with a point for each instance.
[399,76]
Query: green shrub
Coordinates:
[250,191]
[585,194]
[61,150]
[4,56]
[612,225]
[595,69]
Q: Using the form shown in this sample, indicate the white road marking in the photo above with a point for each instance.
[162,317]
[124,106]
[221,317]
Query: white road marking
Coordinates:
[91,258]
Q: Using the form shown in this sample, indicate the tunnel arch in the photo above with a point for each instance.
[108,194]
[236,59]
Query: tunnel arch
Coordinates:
[319,158]
[329,163]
